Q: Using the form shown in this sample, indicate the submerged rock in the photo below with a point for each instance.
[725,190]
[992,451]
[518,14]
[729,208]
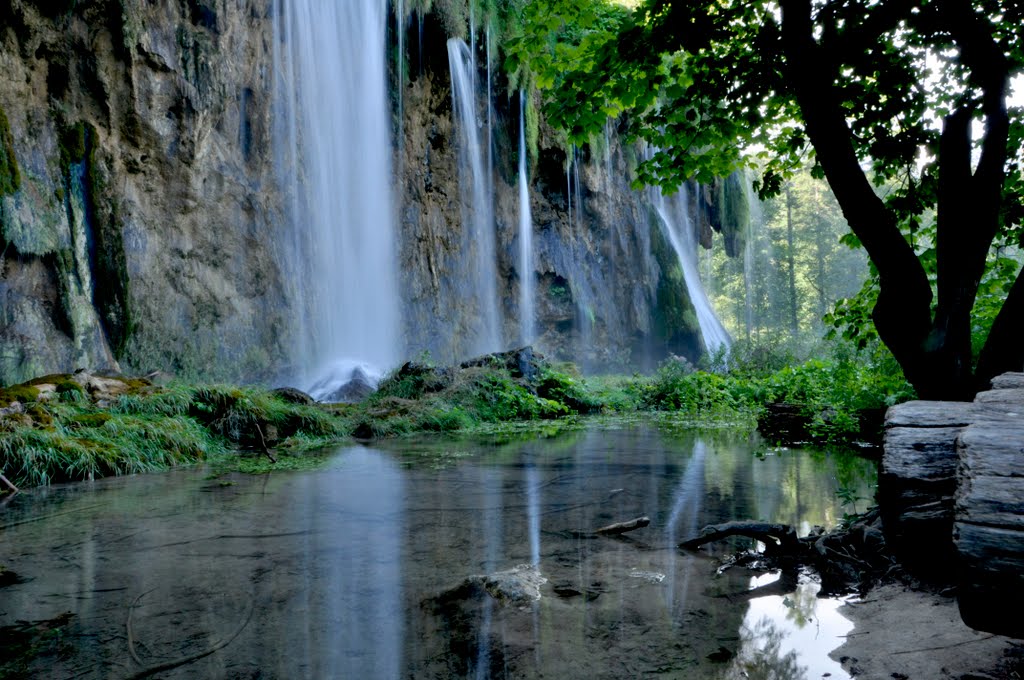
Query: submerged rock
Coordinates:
[518,586]
[470,612]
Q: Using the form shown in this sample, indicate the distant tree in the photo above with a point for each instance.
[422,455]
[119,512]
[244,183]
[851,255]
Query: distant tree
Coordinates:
[906,94]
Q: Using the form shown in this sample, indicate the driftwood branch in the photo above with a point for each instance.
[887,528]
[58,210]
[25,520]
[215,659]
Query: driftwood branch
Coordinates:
[7,483]
[263,444]
[623,527]
[777,538]
[616,529]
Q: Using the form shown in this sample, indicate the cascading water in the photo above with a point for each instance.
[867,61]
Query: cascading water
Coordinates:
[333,99]
[675,219]
[584,302]
[527,311]
[475,182]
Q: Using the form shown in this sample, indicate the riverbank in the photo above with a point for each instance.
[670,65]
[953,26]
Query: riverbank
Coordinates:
[900,632]
[80,426]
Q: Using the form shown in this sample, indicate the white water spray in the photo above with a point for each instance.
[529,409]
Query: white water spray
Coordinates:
[336,124]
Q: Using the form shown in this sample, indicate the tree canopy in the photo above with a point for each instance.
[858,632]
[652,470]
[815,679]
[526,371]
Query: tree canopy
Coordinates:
[901,105]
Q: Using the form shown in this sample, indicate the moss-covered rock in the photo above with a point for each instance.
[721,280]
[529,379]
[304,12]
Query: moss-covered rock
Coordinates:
[10,174]
[24,394]
[90,420]
[732,209]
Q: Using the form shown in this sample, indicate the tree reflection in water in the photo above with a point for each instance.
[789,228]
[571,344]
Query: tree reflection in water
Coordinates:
[779,631]
[761,656]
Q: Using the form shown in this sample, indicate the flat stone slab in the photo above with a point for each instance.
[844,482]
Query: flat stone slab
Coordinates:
[921,453]
[921,414]
[1008,401]
[1007,381]
[989,511]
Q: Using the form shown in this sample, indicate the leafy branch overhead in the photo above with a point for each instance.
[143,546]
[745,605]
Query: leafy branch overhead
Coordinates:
[900,105]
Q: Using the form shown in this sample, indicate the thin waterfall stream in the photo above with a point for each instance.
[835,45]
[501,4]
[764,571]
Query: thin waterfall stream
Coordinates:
[478,215]
[676,220]
[527,304]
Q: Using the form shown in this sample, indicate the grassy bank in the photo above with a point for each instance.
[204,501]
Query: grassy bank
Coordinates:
[75,427]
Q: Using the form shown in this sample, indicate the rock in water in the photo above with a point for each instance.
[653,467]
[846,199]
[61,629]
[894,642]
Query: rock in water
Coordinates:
[518,586]
[347,383]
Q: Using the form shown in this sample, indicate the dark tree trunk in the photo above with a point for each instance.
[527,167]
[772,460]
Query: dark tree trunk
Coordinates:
[902,314]
[935,353]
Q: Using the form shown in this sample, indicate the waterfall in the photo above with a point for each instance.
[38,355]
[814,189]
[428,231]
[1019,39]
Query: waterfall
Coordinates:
[675,219]
[584,321]
[527,312]
[331,63]
[748,278]
[475,183]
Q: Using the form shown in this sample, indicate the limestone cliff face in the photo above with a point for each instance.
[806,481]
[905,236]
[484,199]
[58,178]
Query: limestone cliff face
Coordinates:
[141,226]
[609,293]
[141,213]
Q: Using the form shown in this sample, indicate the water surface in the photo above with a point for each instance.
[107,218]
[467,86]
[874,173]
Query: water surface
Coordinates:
[352,571]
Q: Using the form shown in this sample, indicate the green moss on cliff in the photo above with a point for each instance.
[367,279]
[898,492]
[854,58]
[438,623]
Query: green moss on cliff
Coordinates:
[110,273]
[10,175]
[732,208]
[675,320]
[72,143]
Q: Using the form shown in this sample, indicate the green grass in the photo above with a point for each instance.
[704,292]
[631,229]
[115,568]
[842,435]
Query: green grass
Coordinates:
[121,445]
[69,438]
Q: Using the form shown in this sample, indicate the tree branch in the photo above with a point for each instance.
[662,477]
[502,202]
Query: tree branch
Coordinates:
[903,312]
[778,538]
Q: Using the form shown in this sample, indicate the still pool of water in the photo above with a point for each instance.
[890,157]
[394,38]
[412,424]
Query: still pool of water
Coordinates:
[354,570]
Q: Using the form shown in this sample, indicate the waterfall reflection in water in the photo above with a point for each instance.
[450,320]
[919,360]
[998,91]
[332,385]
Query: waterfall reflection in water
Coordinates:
[355,570]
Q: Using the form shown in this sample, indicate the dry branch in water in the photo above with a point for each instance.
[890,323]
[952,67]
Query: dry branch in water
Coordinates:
[777,538]
[6,482]
[623,527]
[846,559]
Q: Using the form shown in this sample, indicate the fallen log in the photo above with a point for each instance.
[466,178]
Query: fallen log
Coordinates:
[6,482]
[846,559]
[777,538]
[623,527]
